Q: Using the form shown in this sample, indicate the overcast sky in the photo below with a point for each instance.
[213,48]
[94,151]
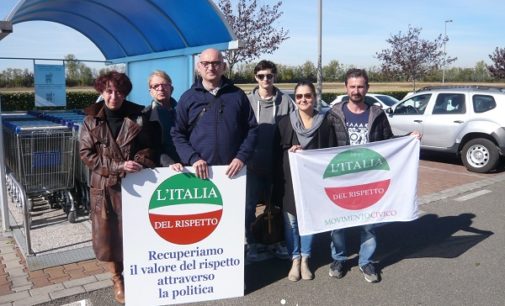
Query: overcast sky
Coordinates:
[353,31]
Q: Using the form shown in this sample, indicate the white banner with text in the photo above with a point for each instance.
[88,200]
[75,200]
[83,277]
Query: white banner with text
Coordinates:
[183,237]
[355,185]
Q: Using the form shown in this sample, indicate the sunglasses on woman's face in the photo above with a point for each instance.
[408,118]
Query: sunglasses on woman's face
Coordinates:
[300,96]
[262,76]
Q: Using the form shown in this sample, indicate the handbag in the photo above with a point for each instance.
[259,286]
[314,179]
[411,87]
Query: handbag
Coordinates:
[268,228]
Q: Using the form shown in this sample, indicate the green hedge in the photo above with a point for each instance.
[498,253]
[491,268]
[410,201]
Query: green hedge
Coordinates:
[25,101]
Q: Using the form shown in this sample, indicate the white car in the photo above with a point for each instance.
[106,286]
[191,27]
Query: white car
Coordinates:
[467,121]
[383,101]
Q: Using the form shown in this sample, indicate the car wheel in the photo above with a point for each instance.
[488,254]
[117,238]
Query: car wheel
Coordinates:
[480,155]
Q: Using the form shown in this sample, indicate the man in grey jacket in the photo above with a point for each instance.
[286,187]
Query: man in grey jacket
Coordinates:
[162,110]
[268,104]
[357,123]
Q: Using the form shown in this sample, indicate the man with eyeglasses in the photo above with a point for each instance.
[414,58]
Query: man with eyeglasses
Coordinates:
[162,110]
[215,124]
[268,104]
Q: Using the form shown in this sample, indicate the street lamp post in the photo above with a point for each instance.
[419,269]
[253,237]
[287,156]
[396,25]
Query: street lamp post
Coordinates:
[445,53]
[319,89]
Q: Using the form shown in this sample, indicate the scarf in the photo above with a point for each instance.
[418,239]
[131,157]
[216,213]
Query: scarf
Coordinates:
[305,135]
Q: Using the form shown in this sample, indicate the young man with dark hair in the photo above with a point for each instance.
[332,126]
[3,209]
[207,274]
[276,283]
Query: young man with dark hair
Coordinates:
[357,123]
[268,104]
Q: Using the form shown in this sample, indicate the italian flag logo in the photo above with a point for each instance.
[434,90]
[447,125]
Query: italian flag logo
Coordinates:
[363,192]
[185,209]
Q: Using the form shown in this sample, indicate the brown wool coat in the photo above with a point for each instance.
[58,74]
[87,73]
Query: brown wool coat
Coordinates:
[105,157]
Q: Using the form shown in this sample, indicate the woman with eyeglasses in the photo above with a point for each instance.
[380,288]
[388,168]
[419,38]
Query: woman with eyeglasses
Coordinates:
[303,129]
[116,139]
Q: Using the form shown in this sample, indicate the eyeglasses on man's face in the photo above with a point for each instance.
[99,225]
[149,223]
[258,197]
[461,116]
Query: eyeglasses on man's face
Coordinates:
[215,64]
[164,86]
[261,76]
[300,96]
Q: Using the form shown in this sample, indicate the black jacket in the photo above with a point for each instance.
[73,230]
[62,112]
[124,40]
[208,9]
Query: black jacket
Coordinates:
[378,124]
[284,138]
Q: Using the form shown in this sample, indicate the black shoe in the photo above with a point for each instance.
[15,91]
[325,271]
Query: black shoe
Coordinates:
[369,273]
[337,269]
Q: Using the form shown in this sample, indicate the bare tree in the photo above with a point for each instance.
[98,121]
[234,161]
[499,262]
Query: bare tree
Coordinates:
[411,57]
[497,70]
[255,27]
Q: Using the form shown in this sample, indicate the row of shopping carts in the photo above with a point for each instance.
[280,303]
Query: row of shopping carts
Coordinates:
[42,161]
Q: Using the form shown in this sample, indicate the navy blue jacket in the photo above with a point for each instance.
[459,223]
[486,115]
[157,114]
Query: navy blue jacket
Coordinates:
[226,129]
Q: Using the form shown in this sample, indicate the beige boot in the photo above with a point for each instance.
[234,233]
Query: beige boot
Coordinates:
[116,268]
[294,273]
[306,274]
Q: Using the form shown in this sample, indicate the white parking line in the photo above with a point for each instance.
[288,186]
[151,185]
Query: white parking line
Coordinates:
[472,195]
[85,302]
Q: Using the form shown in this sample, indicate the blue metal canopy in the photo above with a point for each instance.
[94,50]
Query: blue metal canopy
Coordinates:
[126,28]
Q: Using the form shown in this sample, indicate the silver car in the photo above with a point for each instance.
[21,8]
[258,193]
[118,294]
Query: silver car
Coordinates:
[468,121]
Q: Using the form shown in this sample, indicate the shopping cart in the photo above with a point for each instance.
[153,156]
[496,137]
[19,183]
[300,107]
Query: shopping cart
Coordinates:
[39,155]
[74,120]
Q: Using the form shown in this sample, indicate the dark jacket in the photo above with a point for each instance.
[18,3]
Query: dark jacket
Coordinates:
[378,124]
[284,138]
[224,131]
[165,117]
[105,157]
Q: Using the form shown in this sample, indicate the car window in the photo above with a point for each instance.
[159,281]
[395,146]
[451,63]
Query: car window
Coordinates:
[371,101]
[483,103]
[387,100]
[415,105]
[449,103]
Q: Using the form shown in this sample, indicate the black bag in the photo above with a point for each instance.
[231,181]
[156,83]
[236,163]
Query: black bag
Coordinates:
[268,228]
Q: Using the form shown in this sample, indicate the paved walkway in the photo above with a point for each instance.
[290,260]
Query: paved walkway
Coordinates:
[19,286]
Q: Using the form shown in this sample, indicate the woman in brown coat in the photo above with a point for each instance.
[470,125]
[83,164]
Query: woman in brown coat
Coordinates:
[115,140]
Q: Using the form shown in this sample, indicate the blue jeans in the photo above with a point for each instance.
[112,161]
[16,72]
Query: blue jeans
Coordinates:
[297,245]
[257,188]
[367,248]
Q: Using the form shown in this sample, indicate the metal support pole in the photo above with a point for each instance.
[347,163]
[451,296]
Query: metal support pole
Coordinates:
[319,57]
[3,191]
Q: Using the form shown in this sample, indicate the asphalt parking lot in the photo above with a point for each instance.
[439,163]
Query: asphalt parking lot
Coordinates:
[451,255]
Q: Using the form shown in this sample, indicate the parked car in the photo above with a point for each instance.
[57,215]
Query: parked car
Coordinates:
[383,101]
[322,105]
[468,121]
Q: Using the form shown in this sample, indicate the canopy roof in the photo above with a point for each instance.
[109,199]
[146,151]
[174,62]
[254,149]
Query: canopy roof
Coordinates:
[125,28]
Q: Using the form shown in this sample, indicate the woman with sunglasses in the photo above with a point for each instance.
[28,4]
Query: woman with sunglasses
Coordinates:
[303,129]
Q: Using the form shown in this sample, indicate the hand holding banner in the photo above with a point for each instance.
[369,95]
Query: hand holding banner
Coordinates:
[355,185]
